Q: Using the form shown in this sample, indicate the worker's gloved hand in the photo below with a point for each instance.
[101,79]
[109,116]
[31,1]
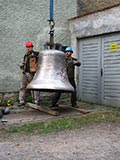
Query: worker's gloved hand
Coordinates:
[76,63]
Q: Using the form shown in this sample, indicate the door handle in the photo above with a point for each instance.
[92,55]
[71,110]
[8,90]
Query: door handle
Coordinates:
[101,72]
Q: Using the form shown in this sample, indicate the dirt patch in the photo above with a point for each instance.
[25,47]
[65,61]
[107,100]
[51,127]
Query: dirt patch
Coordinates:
[96,142]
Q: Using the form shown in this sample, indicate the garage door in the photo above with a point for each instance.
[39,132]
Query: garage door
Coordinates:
[89,71]
[100,69]
[111,69]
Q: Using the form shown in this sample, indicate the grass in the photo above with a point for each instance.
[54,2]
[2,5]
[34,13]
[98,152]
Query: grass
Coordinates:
[62,124]
[104,114]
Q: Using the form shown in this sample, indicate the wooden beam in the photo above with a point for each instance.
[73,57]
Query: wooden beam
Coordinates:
[84,111]
[41,109]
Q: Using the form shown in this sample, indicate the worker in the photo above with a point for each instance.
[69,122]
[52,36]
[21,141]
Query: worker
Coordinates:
[29,68]
[71,63]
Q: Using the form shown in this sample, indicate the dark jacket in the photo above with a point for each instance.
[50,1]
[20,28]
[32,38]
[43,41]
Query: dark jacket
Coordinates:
[71,67]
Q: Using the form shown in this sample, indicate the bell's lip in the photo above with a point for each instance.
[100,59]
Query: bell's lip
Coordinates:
[51,90]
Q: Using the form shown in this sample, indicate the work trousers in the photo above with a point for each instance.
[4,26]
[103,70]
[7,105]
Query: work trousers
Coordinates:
[27,78]
[57,95]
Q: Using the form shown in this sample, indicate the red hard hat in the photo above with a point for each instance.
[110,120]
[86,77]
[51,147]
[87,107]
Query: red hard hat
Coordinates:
[29,44]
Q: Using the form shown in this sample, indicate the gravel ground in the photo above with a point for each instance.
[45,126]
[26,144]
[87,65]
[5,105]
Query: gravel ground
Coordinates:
[96,142]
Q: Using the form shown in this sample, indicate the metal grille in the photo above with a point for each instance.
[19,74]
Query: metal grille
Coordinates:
[100,70]
[111,66]
[89,69]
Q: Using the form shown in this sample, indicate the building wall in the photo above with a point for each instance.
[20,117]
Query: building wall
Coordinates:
[90,6]
[103,22]
[101,28]
[26,20]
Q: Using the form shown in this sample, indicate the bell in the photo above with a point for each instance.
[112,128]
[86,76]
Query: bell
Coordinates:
[51,74]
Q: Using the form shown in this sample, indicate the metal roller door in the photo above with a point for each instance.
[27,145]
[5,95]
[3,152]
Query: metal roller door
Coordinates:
[100,70]
[89,71]
[111,70]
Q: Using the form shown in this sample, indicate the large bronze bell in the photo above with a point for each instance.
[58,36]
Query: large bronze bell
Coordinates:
[51,74]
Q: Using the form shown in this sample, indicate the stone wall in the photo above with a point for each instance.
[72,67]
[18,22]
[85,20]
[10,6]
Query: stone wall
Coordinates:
[90,6]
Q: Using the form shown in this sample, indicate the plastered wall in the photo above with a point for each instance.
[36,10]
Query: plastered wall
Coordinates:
[26,20]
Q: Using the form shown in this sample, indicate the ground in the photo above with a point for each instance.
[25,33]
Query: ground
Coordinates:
[93,142]
[96,142]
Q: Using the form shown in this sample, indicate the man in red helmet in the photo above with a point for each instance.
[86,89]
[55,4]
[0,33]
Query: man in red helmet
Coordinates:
[28,67]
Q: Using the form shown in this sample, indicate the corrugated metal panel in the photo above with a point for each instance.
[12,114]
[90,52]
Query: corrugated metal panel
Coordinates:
[89,77]
[111,70]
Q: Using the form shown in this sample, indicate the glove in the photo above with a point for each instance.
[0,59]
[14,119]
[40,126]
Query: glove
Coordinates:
[76,63]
